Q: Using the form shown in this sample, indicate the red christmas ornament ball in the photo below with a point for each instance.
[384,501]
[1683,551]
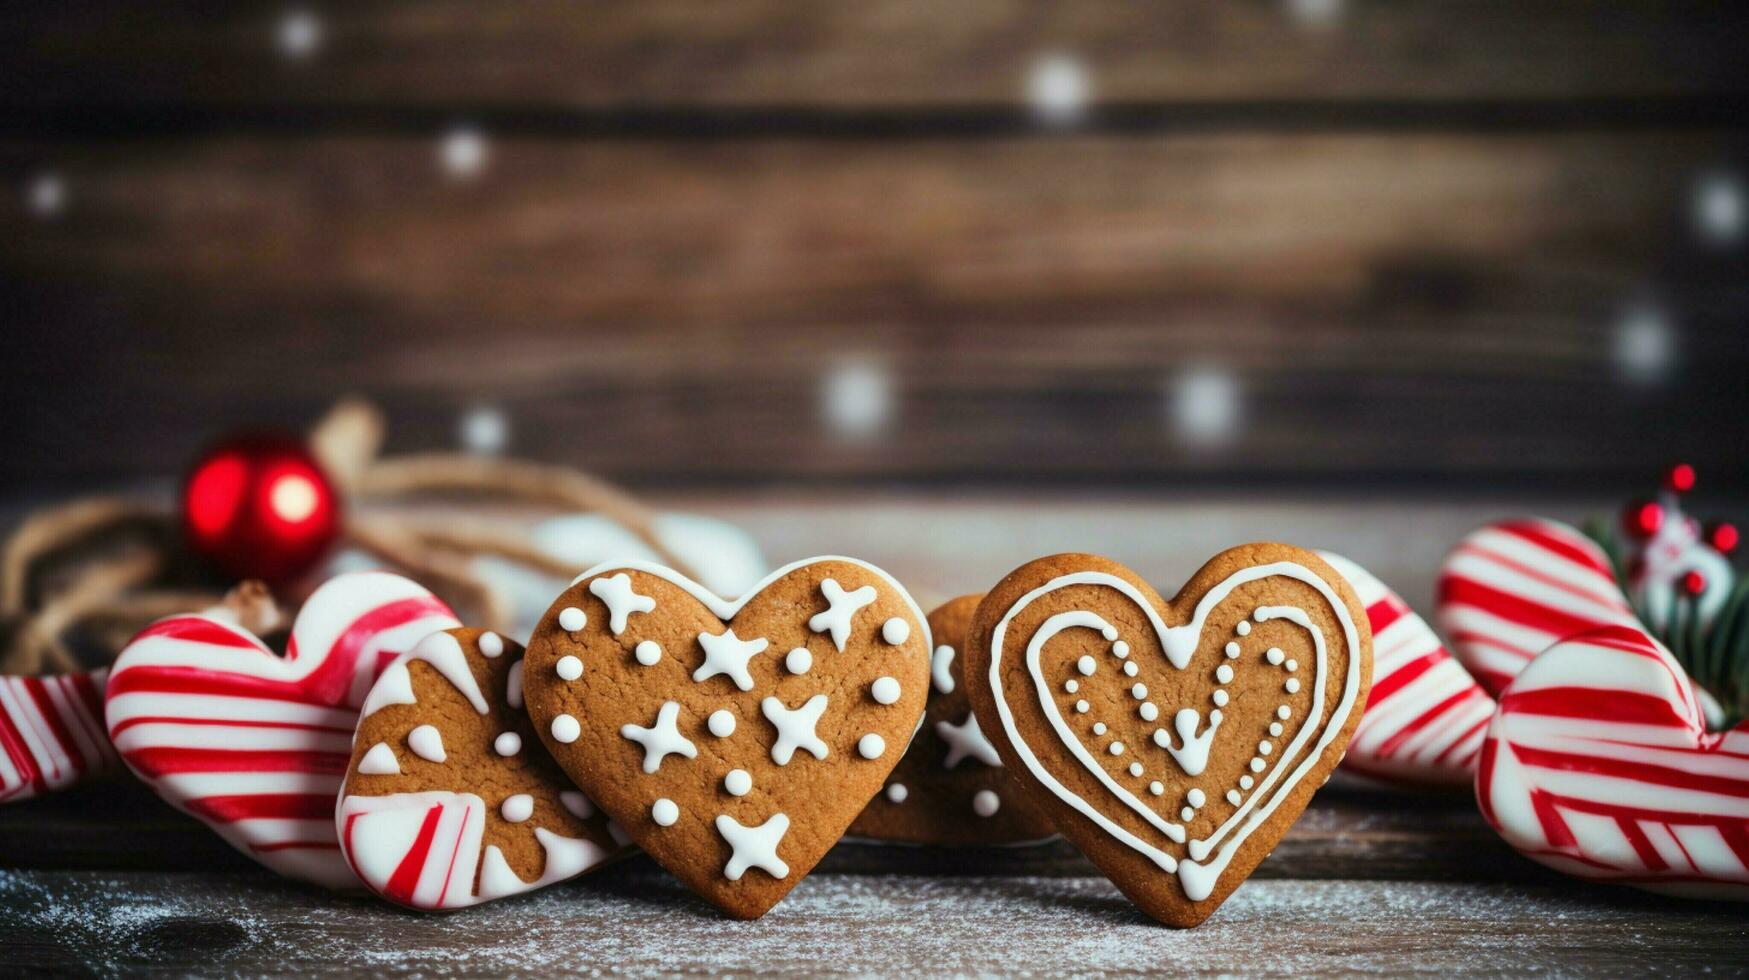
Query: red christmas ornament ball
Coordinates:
[259,506]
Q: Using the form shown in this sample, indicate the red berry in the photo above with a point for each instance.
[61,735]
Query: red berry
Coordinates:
[1723,537]
[1680,478]
[1694,583]
[1643,518]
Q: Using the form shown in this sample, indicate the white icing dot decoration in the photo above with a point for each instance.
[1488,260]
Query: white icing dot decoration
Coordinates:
[648,652]
[1231,650]
[1135,768]
[566,729]
[986,803]
[517,808]
[507,744]
[1116,748]
[1292,666]
[897,793]
[572,619]
[1109,632]
[798,661]
[427,743]
[1256,765]
[1085,665]
[1215,716]
[1156,787]
[1292,685]
[1243,629]
[895,631]
[568,668]
[1246,782]
[1082,706]
[721,723]
[664,811]
[1275,728]
[1196,797]
[491,644]
[885,690]
[1186,814]
[739,782]
[1099,728]
[1129,668]
[1149,711]
[1220,698]
[1120,649]
[1274,656]
[1224,674]
[1161,738]
[1284,712]
[871,746]
[1139,692]
[1264,748]
[1233,796]
[1071,685]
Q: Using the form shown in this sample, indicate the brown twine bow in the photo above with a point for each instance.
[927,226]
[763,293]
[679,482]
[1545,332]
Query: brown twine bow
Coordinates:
[128,564]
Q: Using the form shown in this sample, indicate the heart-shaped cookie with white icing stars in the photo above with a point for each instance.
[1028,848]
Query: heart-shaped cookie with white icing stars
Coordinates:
[449,800]
[732,740]
[1172,742]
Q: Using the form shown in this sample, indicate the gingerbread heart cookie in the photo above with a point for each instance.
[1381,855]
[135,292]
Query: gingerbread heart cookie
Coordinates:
[450,800]
[1172,742]
[950,787]
[734,740]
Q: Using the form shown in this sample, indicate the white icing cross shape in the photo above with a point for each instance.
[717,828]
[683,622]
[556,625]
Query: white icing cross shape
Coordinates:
[728,654]
[616,592]
[966,739]
[661,739]
[843,607]
[795,728]
[754,847]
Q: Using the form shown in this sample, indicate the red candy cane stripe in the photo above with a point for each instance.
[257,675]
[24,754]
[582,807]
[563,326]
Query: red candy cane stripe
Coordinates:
[1425,717]
[1599,764]
[254,744]
[51,733]
[1509,590]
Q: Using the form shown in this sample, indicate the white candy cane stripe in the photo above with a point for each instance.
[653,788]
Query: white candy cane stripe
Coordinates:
[255,744]
[1425,716]
[1598,763]
[1510,589]
[424,850]
[51,734]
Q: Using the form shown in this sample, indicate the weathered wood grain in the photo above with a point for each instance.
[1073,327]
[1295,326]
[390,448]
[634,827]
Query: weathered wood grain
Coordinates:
[666,311]
[632,920]
[904,54]
[1346,834]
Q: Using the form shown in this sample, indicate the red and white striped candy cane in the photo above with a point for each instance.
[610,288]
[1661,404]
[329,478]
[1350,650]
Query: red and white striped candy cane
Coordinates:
[1425,717]
[1511,589]
[51,733]
[1599,764]
[253,744]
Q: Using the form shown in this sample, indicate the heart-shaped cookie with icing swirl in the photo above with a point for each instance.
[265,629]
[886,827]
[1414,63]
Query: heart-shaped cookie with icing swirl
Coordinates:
[1172,742]
[733,740]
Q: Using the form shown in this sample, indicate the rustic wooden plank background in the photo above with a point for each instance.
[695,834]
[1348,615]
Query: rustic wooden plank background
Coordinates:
[1442,263]
[1413,238]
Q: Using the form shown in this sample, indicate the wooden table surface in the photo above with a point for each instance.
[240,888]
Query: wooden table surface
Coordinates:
[108,879]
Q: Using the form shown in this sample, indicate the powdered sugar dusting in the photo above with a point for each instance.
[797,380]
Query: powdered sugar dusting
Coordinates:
[634,919]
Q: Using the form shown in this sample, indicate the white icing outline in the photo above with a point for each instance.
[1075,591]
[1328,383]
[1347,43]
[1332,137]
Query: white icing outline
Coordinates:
[1179,644]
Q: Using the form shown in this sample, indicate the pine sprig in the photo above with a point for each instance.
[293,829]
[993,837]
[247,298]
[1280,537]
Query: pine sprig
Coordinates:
[1716,658]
